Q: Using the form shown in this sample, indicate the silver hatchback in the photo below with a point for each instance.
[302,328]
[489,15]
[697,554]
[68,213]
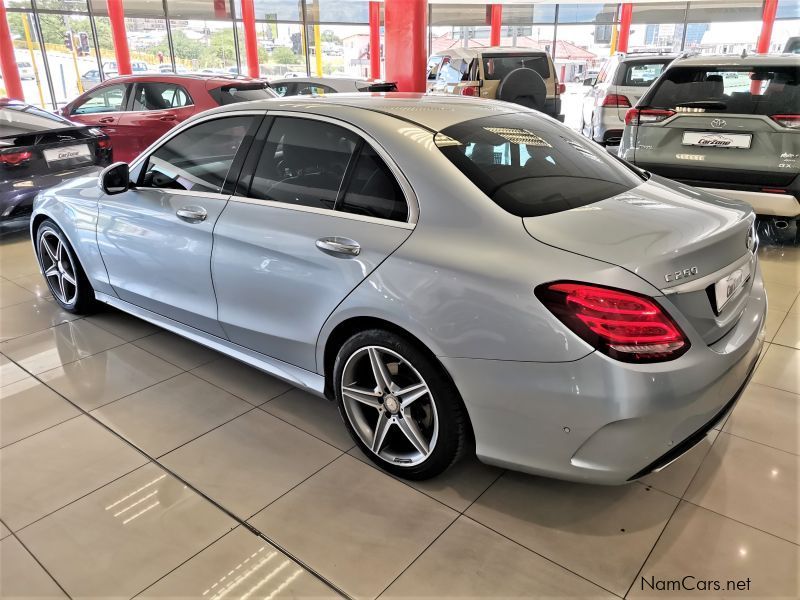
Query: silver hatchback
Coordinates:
[459,275]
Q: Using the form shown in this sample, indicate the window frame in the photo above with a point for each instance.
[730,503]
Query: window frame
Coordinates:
[247,172]
[126,95]
[135,88]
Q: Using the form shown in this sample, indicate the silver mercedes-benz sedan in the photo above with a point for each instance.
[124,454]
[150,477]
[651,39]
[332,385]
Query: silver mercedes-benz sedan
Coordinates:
[459,275]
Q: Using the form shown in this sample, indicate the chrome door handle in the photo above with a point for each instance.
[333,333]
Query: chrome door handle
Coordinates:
[339,246]
[192,214]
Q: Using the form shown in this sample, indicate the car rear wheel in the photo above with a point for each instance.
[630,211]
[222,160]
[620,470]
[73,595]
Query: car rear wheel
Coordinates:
[398,405]
[64,275]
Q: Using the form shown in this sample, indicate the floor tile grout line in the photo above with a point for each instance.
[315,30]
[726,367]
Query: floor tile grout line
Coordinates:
[71,361]
[488,487]
[38,562]
[51,326]
[264,410]
[741,437]
[49,427]
[190,486]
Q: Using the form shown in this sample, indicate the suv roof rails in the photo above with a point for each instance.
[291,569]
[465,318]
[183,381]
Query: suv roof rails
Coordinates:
[687,54]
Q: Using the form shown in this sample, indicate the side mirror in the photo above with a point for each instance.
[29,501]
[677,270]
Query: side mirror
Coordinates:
[589,81]
[115,178]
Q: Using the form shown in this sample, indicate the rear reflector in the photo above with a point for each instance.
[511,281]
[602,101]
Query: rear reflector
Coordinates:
[104,142]
[14,158]
[790,121]
[470,90]
[643,116]
[626,326]
[617,100]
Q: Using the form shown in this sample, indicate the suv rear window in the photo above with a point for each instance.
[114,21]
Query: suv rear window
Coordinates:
[241,92]
[641,74]
[498,66]
[532,167]
[738,90]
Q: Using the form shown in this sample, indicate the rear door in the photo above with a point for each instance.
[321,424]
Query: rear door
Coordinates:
[296,239]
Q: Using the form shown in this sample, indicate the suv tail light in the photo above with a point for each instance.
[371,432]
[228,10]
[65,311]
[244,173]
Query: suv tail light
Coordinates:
[626,326]
[643,116]
[617,100]
[13,159]
[470,90]
[790,121]
[562,87]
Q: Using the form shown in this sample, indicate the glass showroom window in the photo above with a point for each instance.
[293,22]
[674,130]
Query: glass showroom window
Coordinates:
[787,25]
[202,37]
[280,49]
[659,27]
[30,61]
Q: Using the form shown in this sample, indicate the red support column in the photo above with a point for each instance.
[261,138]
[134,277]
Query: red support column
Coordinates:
[116,15]
[624,26]
[497,23]
[375,40]
[405,26]
[250,39]
[767,21]
[8,61]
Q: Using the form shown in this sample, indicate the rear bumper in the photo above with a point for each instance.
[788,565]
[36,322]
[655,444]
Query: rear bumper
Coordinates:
[763,203]
[602,421]
[607,127]
[16,195]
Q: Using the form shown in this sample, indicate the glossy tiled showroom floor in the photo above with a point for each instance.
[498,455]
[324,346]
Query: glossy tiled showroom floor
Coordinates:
[136,463]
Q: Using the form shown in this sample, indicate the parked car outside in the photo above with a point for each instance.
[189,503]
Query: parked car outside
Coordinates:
[519,75]
[729,125]
[792,45]
[618,85]
[38,150]
[445,269]
[92,77]
[25,69]
[319,86]
[135,110]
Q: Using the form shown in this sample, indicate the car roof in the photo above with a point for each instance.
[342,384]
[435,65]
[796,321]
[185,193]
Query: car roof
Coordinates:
[322,80]
[432,112]
[474,52]
[737,60]
[647,57]
[205,77]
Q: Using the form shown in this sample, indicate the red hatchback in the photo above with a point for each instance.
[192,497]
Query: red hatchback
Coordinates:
[136,110]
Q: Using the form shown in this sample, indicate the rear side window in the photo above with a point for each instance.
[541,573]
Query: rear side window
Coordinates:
[373,189]
[160,96]
[737,90]
[244,92]
[531,167]
[313,89]
[498,66]
[641,74]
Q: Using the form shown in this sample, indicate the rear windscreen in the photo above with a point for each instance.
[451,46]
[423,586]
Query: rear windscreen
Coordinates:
[230,94]
[641,74]
[531,166]
[497,67]
[738,90]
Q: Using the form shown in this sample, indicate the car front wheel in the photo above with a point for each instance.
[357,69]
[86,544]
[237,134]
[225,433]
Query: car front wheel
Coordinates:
[64,275]
[399,406]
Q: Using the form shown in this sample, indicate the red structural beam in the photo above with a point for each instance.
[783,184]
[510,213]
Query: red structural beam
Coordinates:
[497,24]
[375,40]
[767,21]
[8,61]
[116,15]
[405,29]
[250,40]
[624,26]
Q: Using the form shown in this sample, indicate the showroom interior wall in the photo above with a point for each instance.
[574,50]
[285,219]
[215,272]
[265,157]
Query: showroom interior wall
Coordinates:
[192,35]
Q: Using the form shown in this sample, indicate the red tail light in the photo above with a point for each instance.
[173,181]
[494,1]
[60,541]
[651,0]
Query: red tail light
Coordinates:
[562,87]
[790,121]
[104,142]
[643,116]
[470,90]
[626,326]
[14,158]
[617,100]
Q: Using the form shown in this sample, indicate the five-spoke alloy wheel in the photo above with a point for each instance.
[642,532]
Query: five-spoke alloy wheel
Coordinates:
[62,271]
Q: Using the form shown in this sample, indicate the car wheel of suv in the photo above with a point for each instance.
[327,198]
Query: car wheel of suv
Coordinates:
[523,86]
[64,275]
[398,405]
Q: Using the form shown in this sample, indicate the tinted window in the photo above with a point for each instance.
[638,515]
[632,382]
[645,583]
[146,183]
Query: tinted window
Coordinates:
[316,89]
[303,162]
[243,92]
[453,71]
[198,158]
[641,74]
[729,89]
[497,67]
[373,189]
[17,118]
[280,88]
[433,66]
[159,96]
[107,99]
[530,166]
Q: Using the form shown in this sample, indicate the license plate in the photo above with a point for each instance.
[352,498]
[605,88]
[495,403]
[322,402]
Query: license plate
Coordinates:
[79,151]
[714,139]
[727,287]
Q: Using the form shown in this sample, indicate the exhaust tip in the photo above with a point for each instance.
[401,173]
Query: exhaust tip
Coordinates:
[780,224]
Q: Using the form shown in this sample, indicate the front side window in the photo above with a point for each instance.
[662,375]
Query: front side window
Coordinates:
[373,190]
[159,96]
[641,74]
[105,100]
[531,167]
[498,66]
[197,158]
[303,162]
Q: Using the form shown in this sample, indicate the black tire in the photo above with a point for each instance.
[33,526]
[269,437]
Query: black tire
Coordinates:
[523,86]
[453,427]
[82,301]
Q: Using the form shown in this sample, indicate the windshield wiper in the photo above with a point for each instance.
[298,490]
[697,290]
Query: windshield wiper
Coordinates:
[706,104]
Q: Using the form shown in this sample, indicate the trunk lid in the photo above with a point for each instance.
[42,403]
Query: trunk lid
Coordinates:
[680,240]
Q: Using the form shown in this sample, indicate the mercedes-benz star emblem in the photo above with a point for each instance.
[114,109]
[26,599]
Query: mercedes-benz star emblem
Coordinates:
[718,123]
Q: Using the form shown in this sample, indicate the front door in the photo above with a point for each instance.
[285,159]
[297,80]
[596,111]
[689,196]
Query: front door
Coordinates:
[156,238]
[299,240]
[102,107]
